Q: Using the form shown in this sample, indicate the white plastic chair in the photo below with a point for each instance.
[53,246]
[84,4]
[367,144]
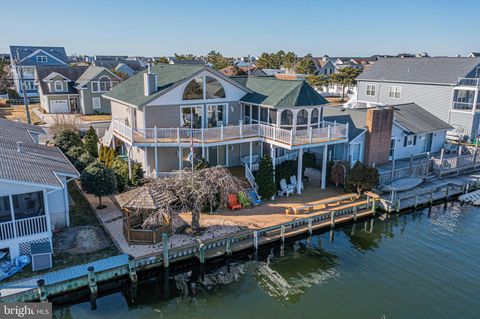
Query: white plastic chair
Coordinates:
[286,189]
[293,181]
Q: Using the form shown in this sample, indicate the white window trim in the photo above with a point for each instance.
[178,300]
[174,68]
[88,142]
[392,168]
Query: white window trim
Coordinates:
[42,58]
[395,89]
[410,138]
[225,109]
[192,106]
[99,103]
[360,152]
[55,86]
[99,90]
[371,88]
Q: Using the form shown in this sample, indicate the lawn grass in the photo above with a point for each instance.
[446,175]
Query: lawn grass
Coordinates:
[81,214]
[17,112]
[96,117]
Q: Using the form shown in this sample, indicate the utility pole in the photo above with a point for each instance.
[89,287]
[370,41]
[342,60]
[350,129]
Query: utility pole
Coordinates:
[22,83]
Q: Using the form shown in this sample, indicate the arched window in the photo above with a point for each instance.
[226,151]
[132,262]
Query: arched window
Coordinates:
[302,120]
[58,86]
[214,88]
[286,119]
[105,84]
[194,89]
[314,118]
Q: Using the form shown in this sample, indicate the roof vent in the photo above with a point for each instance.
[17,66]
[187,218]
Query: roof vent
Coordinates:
[20,147]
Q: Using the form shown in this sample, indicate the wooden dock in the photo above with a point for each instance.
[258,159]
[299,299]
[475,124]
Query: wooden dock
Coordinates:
[89,275]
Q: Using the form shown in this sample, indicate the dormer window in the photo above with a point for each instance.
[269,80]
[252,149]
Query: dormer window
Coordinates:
[104,84]
[41,58]
[58,85]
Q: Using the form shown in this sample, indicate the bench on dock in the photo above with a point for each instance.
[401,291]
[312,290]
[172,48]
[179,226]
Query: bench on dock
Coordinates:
[322,204]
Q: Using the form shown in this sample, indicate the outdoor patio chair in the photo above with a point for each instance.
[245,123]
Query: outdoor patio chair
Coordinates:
[233,202]
[293,181]
[286,189]
[254,198]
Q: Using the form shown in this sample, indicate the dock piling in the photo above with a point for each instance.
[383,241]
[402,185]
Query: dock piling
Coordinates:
[132,273]
[41,290]
[92,281]
[282,233]
[166,257]
[255,240]
[355,214]
[332,222]
[397,209]
[416,201]
[310,230]
[201,253]
[228,247]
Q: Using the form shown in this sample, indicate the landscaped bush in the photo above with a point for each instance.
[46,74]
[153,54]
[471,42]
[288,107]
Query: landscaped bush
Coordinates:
[99,180]
[75,152]
[138,175]
[67,139]
[120,168]
[362,178]
[83,161]
[90,142]
[264,178]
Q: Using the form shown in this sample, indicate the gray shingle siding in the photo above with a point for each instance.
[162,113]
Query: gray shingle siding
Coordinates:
[437,99]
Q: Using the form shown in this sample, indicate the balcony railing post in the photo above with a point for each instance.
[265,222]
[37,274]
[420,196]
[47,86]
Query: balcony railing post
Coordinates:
[241,128]
[221,132]
[178,134]
[329,132]
[310,134]
[346,131]
[203,135]
[291,137]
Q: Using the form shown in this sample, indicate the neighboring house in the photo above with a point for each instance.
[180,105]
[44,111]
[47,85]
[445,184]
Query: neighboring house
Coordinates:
[234,121]
[324,66]
[446,87]
[75,89]
[24,59]
[380,134]
[253,70]
[33,188]
[174,60]
[126,67]
[273,72]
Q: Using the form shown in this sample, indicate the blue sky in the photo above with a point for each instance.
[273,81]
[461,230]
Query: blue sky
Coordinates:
[158,28]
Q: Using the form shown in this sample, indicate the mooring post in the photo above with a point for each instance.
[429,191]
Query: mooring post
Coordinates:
[374,208]
[368,201]
[228,247]
[397,209]
[201,253]
[447,191]
[255,240]
[132,273]
[355,211]
[431,196]
[92,281]
[466,188]
[416,201]
[332,222]
[282,233]
[310,230]
[166,257]
[41,290]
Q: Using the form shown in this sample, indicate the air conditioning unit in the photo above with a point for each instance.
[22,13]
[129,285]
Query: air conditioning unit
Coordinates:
[41,254]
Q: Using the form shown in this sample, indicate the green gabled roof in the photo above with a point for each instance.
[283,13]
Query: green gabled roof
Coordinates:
[281,93]
[132,91]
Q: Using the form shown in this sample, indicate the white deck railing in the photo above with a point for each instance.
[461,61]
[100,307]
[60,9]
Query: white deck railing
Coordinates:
[327,132]
[469,82]
[23,227]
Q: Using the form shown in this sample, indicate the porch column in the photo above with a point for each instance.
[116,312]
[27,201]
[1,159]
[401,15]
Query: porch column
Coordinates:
[207,157]
[156,153]
[203,151]
[324,167]
[299,170]
[47,211]
[261,149]
[272,155]
[129,149]
[180,162]
[227,147]
[12,212]
[251,151]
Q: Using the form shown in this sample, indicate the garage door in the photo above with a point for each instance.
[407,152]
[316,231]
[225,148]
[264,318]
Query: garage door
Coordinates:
[59,106]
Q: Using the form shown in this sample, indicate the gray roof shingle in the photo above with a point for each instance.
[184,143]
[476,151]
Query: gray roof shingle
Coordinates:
[24,51]
[70,72]
[37,164]
[439,70]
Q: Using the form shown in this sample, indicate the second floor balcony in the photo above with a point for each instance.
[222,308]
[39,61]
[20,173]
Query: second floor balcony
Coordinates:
[326,132]
[469,82]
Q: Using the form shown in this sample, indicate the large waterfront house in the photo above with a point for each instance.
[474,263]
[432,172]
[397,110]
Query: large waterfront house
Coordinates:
[33,188]
[380,134]
[159,113]
[24,59]
[446,87]
[75,89]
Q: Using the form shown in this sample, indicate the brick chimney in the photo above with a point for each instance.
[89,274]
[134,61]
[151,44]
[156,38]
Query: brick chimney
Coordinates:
[149,82]
[379,123]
